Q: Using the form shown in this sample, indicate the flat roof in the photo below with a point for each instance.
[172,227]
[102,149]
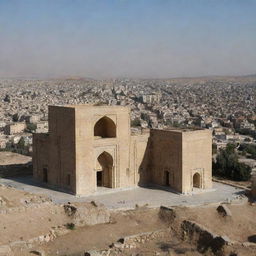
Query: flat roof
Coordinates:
[181,130]
[90,106]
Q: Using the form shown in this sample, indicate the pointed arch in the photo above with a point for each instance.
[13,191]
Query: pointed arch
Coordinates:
[105,128]
[105,175]
[196,180]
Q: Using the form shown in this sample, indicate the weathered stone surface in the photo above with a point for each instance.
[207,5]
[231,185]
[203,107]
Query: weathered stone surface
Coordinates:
[128,242]
[70,210]
[122,160]
[87,214]
[224,210]
[2,201]
[92,253]
[5,250]
[39,253]
[202,237]
[254,186]
[167,214]
[252,239]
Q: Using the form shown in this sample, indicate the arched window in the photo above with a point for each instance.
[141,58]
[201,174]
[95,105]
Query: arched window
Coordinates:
[105,128]
[196,180]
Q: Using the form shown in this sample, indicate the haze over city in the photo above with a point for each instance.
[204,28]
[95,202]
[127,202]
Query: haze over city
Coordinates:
[144,38]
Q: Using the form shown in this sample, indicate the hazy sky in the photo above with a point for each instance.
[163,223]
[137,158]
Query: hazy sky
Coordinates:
[127,38]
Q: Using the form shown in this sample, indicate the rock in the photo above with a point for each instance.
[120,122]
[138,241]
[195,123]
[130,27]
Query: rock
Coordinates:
[2,201]
[252,239]
[70,210]
[92,253]
[40,253]
[118,245]
[203,238]
[87,214]
[167,214]
[5,250]
[94,203]
[224,210]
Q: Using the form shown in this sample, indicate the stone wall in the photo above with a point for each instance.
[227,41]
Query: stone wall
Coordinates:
[87,213]
[254,186]
[129,242]
[202,237]
[13,170]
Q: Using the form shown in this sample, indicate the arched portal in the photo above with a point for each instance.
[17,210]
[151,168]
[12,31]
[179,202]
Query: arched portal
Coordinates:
[196,180]
[105,174]
[105,128]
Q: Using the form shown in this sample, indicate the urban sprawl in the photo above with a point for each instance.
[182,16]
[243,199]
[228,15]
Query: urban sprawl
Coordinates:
[226,105]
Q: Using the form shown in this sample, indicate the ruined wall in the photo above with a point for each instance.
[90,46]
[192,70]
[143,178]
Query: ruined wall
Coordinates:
[14,170]
[196,158]
[166,158]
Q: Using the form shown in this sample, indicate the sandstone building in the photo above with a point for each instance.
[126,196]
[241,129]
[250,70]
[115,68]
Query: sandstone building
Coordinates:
[92,146]
[254,186]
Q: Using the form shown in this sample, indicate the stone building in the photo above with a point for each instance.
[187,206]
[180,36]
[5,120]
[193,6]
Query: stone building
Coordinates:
[92,146]
[14,128]
[254,186]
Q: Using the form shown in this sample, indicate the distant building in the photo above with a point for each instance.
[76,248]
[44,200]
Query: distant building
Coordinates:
[14,128]
[151,98]
[91,146]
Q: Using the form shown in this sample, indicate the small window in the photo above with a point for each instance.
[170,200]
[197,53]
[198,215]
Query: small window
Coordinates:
[68,180]
[166,178]
[45,175]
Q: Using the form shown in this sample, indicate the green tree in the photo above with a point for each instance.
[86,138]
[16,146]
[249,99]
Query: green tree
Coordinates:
[15,117]
[248,148]
[31,127]
[214,148]
[136,122]
[227,165]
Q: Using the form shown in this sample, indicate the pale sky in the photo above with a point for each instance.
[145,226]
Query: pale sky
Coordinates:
[127,38]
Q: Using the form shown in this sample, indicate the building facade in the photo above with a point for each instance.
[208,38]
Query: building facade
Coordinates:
[91,146]
[254,186]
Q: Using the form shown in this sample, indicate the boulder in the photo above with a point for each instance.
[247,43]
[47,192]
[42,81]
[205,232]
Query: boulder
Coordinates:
[224,210]
[167,214]
[87,213]
[5,250]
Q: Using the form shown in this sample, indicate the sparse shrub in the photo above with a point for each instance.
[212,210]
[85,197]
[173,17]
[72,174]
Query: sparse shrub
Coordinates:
[70,226]
[15,117]
[135,122]
[214,148]
[31,127]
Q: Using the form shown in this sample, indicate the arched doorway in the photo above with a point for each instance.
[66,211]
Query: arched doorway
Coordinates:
[105,128]
[196,180]
[105,175]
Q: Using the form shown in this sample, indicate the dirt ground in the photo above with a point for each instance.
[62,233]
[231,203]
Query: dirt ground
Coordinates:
[24,216]
[11,198]
[102,235]
[8,158]
[239,227]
